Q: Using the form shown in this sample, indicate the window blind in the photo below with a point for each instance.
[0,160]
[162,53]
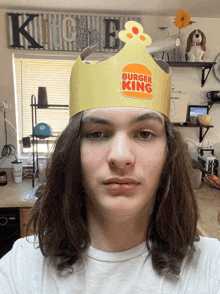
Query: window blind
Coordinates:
[55,76]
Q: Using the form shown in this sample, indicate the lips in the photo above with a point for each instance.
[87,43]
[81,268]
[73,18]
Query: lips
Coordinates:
[121,185]
[117,180]
[124,187]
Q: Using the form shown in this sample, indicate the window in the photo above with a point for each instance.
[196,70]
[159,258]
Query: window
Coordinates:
[55,76]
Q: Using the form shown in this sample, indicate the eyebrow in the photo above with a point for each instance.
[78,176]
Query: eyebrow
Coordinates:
[142,117]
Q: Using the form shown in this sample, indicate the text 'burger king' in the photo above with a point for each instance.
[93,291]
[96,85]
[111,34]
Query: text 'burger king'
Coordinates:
[137,81]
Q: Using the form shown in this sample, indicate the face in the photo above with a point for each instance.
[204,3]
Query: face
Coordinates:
[122,149]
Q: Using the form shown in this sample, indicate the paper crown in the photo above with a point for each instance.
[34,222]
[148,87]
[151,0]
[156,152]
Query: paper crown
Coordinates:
[131,78]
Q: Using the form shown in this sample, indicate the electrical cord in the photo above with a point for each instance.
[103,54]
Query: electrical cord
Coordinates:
[7,149]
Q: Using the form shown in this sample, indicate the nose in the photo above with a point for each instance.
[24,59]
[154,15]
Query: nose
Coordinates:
[121,154]
[197,35]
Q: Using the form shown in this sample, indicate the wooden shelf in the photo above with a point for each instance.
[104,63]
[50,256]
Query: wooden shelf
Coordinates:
[205,65]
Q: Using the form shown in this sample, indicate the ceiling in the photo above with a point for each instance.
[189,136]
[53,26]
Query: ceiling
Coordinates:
[203,8]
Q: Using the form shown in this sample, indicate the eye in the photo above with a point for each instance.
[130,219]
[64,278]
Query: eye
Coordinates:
[148,134]
[92,135]
[97,135]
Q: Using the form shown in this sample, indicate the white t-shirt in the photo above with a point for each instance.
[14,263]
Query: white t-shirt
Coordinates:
[24,270]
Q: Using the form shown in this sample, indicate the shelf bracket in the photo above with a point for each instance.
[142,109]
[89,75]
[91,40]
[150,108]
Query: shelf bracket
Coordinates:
[203,74]
[201,137]
[210,105]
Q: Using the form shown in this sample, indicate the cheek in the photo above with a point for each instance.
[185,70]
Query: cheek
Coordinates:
[90,155]
[153,160]
[91,159]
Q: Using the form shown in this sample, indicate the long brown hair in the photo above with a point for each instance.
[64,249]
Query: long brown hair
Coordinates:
[59,214]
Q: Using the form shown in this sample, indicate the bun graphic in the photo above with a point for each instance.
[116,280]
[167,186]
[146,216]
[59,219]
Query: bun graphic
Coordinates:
[137,81]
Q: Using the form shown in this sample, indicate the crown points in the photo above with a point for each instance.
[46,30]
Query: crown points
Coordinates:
[134,34]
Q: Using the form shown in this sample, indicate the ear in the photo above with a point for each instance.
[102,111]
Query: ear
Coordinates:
[203,44]
[189,42]
[193,33]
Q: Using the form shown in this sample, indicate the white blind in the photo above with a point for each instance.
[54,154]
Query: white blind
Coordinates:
[55,76]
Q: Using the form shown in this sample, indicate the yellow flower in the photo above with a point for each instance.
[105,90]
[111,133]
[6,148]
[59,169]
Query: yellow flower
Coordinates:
[182,19]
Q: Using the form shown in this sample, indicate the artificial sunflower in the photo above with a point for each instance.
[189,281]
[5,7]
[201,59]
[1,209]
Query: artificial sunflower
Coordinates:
[182,19]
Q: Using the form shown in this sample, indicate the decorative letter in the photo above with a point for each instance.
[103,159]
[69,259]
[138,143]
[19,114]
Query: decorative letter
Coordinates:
[44,25]
[54,27]
[82,32]
[73,25]
[21,30]
[113,34]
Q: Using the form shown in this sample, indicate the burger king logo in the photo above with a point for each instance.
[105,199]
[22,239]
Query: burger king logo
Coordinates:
[137,81]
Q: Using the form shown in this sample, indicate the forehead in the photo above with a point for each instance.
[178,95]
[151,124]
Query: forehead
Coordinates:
[122,115]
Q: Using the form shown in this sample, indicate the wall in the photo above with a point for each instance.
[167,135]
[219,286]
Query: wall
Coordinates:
[189,79]
[182,79]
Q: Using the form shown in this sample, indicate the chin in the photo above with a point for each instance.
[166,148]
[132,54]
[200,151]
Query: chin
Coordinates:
[126,206]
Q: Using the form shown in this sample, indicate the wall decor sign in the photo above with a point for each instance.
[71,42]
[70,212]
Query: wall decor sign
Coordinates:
[65,32]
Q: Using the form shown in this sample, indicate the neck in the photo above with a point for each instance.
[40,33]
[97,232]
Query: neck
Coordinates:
[195,44]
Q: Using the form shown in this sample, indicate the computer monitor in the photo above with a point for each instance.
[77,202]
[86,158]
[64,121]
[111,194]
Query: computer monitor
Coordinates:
[194,111]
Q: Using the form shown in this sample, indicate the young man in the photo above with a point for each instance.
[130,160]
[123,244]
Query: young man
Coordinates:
[118,213]
[122,163]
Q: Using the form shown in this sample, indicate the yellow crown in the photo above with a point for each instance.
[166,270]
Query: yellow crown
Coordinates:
[131,78]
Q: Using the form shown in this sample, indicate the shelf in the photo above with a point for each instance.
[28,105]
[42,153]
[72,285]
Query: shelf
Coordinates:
[36,139]
[49,105]
[205,65]
[194,126]
[201,137]
[190,64]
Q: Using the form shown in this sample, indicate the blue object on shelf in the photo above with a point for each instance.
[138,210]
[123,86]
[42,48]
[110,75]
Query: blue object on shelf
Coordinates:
[42,130]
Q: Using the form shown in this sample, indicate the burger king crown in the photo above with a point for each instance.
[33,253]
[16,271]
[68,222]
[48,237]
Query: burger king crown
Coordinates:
[131,78]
